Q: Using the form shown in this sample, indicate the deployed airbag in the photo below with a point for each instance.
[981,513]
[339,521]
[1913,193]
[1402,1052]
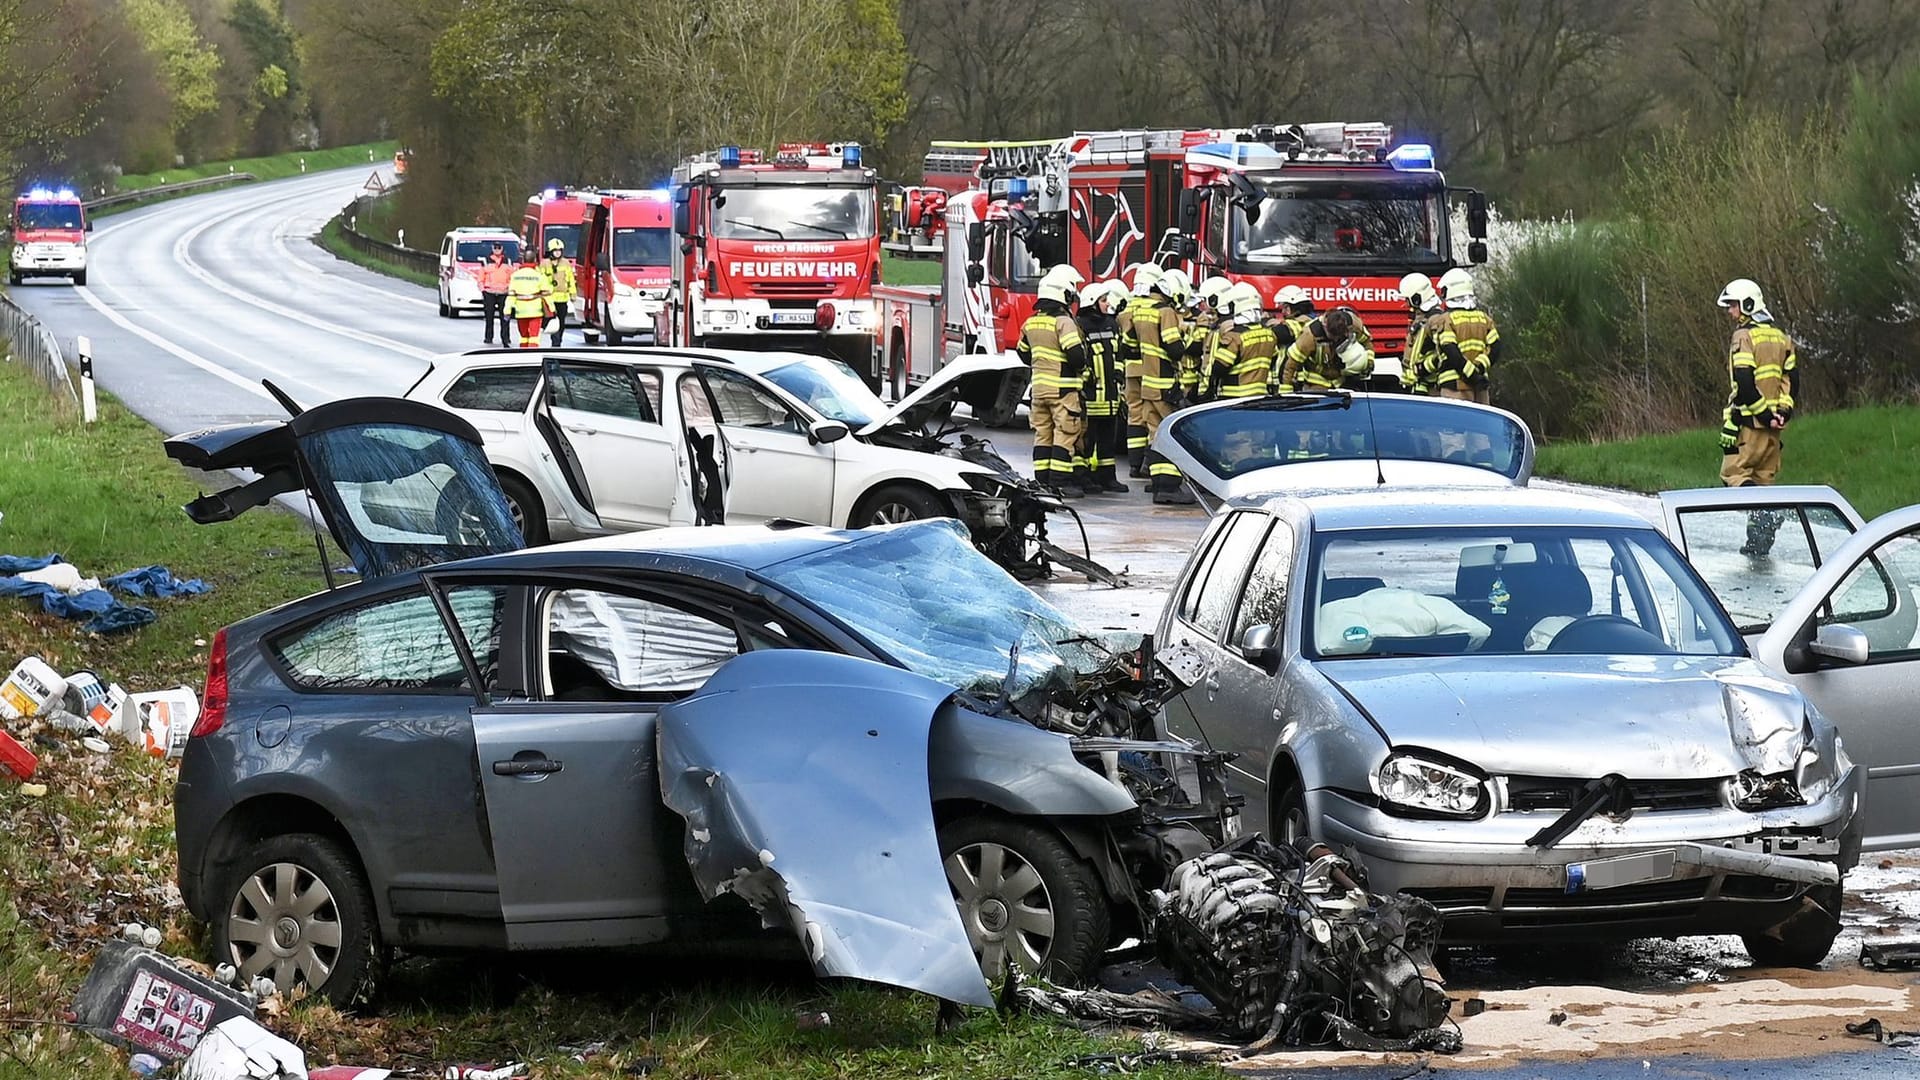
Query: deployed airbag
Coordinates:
[1350,626]
[803,780]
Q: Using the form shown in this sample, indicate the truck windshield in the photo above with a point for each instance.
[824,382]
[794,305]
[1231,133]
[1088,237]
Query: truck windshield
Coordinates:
[794,212]
[49,216]
[1343,223]
[568,235]
[642,247]
[480,250]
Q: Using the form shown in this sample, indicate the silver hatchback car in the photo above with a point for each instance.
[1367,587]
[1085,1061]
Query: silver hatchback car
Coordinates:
[1525,707]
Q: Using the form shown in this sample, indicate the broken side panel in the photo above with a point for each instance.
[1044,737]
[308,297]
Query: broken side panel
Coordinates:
[803,779]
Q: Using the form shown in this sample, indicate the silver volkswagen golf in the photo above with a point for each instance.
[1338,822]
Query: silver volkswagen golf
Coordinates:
[1523,706]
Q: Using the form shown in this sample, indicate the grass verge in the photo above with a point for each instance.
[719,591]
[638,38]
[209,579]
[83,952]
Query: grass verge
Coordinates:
[895,270]
[333,238]
[1860,452]
[97,850]
[273,167]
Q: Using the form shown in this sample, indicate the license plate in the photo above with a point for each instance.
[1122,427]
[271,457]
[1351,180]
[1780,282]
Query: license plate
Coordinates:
[792,318]
[1624,870]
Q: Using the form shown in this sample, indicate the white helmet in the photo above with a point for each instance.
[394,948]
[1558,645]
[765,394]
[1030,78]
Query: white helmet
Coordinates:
[1456,288]
[1353,357]
[1417,290]
[1746,294]
[1060,284]
[1289,294]
[1241,302]
[1175,285]
[1112,291]
[1145,277]
[1211,288]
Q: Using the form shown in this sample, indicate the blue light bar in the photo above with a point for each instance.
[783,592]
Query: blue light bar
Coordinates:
[1411,156]
[1018,187]
[850,155]
[550,194]
[40,194]
[65,193]
[729,157]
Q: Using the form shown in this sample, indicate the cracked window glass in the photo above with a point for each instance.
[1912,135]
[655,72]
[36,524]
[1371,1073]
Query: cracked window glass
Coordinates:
[396,644]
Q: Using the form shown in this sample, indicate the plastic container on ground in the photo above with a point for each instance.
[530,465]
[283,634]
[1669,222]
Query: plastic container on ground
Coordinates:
[29,688]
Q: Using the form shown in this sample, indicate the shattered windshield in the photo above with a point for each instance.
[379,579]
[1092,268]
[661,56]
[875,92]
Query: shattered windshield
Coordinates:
[794,212]
[927,598]
[829,388]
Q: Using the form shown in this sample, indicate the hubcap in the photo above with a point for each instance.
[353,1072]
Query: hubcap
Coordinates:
[892,513]
[284,923]
[518,515]
[1005,907]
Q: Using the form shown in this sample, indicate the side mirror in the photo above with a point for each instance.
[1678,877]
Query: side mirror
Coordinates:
[976,241]
[682,217]
[1260,646]
[1189,209]
[1840,643]
[1477,215]
[826,431]
[1477,252]
[976,273]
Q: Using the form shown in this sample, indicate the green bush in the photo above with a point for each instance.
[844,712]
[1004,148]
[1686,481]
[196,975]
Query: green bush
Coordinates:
[1557,300]
[1875,327]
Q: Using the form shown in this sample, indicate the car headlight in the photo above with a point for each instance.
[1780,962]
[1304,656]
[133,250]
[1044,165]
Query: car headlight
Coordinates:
[723,316]
[1409,783]
[621,288]
[1753,791]
[857,318]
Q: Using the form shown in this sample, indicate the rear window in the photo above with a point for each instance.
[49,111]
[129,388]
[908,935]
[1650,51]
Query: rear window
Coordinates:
[481,250]
[1279,431]
[504,389]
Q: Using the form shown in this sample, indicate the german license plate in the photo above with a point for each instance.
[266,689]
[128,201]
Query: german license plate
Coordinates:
[1624,870]
[792,318]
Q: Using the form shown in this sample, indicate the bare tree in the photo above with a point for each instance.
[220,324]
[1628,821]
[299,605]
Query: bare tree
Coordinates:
[1250,59]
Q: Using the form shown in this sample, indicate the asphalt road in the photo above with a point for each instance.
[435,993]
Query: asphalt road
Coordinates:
[192,302]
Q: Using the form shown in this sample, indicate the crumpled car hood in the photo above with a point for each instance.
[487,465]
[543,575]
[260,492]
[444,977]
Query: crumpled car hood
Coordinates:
[803,779]
[1644,717]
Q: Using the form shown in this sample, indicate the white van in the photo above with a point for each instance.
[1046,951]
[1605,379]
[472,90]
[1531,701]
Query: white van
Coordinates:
[462,251]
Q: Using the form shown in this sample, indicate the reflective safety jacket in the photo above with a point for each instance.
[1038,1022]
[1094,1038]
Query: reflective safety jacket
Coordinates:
[493,276]
[1421,363]
[1469,344]
[1764,369]
[558,273]
[1051,344]
[1129,339]
[1311,362]
[1102,388]
[1202,334]
[1163,344]
[527,294]
[1243,360]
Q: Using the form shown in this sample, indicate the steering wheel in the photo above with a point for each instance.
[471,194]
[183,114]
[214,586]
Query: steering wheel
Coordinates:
[1571,637]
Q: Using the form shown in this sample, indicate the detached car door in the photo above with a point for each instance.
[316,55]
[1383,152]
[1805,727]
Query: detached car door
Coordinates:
[1850,640]
[587,853]
[778,470]
[630,458]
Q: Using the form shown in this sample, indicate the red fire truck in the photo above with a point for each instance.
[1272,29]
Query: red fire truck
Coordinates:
[554,214]
[917,216]
[49,236]
[777,254]
[627,249]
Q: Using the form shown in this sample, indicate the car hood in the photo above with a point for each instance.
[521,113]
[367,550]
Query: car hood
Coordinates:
[1644,717]
[916,408]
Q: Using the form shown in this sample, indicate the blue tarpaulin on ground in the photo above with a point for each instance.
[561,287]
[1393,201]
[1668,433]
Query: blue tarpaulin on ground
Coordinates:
[105,613]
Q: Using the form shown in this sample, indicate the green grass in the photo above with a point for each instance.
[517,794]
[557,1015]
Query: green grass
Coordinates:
[273,167]
[895,270]
[1866,454]
[333,238]
[97,850]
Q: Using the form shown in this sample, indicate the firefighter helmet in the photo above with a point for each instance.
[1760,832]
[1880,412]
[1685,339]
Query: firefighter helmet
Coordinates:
[1456,288]
[1417,290]
[1290,296]
[556,246]
[1060,284]
[1211,289]
[1174,285]
[1145,277]
[1241,302]
[1746,294]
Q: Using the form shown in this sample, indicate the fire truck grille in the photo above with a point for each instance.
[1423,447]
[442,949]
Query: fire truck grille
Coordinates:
[793,290]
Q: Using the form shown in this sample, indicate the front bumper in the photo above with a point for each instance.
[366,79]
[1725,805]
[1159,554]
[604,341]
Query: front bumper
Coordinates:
[463,293]
[633,314]
[49,258]
[1493,887]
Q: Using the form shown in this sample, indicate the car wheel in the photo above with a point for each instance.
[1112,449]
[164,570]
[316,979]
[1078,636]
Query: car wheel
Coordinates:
[445,311]
[297,910]
[523,504]
[80,278]
[13,279]
[897,371]
[1805,938]
[895,503]
[1025,899]
[1287,812]
[614,337]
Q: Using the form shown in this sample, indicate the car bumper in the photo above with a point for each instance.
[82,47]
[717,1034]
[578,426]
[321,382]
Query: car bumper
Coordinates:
[200,801]
[1492,886]
[463,294]
[633,314]
[61,259]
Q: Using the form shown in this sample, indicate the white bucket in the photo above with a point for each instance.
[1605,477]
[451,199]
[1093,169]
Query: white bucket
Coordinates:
[30,688]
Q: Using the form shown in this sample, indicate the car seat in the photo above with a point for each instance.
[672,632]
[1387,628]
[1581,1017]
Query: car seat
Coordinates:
[1535,590]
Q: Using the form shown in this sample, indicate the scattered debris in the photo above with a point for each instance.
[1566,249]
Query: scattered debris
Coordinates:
[1890,955]
[62,591]
[30,687]
[812,1021]
[149,936]
[1473,1006]
[146,1065]
[34,791]
[347,1072]
[158,723]
[137,998]
[240,1049]
[485,1072]
[1886,864]
[1148,1007]
[1873,1029]
[1557,1017]
[1121,1064]
[16,759]
[98,746]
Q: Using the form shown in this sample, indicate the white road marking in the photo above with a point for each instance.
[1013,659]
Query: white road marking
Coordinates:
[249,385]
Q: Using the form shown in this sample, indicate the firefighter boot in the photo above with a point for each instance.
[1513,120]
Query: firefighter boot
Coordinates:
[1104,480]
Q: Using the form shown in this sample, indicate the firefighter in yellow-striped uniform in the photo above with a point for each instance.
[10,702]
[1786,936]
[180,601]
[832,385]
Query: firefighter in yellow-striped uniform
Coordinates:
[1245,347]
[1421,361]
[1104,385]
[1291,311]
[1145,277]
[1163,350]
[1051,344]
[1468,342]
[1763,368]
[1329,352]
[1203,333]
[527,302]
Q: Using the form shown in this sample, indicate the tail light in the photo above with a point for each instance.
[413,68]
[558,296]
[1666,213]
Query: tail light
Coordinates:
[213,701]
[823,317]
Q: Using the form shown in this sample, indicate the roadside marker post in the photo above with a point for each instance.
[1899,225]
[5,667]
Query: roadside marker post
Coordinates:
[89,407]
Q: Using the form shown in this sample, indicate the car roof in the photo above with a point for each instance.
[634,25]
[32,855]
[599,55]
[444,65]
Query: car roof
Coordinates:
[482,230]
[745,547]
[756,361]
[1379,508]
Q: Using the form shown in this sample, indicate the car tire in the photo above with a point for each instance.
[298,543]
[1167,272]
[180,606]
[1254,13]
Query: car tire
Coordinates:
[296,909]
[80,278]
[13,278]
[1025,897]
[1287,815]
[613,337]
[445,311]
[891,504]
[1805,938]
[524,504]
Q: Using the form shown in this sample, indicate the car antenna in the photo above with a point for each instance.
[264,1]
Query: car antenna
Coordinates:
[1373,432]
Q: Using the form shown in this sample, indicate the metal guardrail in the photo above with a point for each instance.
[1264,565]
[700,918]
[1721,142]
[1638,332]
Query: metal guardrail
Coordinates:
[31,343]
[426,262]
[160,190]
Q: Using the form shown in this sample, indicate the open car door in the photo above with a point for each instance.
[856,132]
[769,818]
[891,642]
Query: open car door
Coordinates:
[1250,447]
[400,484]
[1831,603]
[554,454]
